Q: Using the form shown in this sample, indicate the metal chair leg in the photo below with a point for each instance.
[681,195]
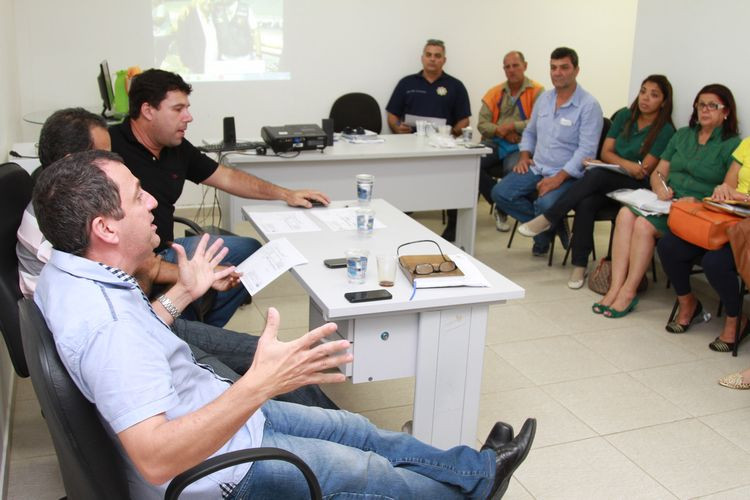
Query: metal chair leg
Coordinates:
[512,233]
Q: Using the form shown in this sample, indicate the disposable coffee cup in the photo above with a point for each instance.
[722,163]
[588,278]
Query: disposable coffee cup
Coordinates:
[356,265]
[386,270]
[467,134]
[364,188]
[445,130]
[365,221]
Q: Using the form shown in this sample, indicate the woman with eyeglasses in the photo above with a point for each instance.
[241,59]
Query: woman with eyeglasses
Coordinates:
[677,257]
[634,142]
[695,160]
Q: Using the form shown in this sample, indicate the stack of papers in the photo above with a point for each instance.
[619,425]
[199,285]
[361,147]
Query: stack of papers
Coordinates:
[644,200]
[729,206]
[606,166]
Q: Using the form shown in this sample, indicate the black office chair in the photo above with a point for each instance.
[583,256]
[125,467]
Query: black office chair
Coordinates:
[15,194]
[356,110]
[90,465]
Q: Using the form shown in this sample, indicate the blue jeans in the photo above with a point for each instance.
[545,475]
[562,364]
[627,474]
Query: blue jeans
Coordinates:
[516,196]
[226,303]
[354,459]
[230,354]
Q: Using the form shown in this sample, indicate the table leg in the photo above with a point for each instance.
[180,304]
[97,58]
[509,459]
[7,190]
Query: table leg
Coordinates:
[466,226]
[449,375]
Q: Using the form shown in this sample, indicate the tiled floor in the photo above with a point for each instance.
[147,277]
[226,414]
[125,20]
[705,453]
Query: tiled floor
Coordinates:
[625,409]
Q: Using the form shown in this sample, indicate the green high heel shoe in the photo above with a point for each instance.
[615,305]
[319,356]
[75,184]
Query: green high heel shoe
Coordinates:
[614,313]
[599,308]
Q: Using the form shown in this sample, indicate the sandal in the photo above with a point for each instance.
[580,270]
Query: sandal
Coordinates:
[599,308]
[698,317]
[614,313]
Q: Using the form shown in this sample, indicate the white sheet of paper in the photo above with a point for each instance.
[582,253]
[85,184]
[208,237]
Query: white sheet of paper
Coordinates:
[295,221]
[342,219]
[411,120]
[268,263]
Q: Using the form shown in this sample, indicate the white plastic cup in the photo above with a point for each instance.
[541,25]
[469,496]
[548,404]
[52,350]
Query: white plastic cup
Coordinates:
[421,128]
[365,221]
[364,188]
[467,134]
[445,130]
[386,270]
[356,265]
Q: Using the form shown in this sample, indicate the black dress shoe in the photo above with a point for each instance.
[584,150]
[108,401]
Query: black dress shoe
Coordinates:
[500,434]
[510,455]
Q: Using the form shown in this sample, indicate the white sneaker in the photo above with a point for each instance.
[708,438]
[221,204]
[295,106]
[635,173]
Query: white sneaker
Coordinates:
[501,221]
[577,277]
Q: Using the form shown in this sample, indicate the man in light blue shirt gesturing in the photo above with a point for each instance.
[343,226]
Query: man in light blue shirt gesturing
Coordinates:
[564,129]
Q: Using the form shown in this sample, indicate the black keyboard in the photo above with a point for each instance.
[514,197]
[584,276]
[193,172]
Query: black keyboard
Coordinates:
[221,147]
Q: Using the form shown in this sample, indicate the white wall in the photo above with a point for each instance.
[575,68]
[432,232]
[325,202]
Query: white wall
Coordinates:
[702,43]
[9,133]
[332,47]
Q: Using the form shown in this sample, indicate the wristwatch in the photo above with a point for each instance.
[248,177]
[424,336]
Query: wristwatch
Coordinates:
[169,306]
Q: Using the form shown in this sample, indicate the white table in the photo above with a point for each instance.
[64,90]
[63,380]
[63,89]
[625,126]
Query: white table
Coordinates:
[409,173]
[438,337]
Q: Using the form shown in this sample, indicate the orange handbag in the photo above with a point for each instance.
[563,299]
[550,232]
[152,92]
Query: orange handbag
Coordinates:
[696,224]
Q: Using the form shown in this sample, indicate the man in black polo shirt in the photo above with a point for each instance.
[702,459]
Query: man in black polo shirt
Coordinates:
[430,93]
[152,143]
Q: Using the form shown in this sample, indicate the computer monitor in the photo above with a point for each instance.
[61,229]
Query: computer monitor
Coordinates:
[105,89]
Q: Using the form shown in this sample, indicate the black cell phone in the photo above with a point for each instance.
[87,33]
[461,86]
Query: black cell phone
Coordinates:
[316,203]
[368,295]
[335,263]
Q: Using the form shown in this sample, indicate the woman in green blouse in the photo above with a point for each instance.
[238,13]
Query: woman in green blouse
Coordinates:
[695,160]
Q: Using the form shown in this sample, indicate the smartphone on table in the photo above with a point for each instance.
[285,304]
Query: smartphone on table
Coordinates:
[367,295]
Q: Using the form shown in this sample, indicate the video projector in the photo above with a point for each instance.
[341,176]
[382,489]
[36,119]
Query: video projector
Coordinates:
[294,137]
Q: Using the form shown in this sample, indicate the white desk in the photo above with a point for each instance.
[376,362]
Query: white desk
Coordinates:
[438,337]
[409,173]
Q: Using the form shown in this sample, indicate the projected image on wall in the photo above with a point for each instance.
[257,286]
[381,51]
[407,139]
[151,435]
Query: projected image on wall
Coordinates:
[220,40]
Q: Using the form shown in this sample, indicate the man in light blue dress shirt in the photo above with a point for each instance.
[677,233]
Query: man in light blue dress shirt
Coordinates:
[564,129]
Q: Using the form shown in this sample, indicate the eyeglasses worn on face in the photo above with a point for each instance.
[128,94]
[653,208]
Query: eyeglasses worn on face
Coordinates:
[711,106]
[426,268]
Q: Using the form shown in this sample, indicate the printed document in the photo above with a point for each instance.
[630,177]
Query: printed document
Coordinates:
[341,219]
[293,221]
[268,263]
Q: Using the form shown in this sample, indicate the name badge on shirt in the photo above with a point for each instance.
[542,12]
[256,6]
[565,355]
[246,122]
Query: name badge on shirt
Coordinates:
[565,122]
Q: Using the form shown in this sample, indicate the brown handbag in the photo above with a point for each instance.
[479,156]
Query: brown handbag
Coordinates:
[739,239]
[601,278]
[693,222]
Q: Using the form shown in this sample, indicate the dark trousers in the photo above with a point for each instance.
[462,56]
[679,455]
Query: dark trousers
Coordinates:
[677,257]
[587,196]
[487,165]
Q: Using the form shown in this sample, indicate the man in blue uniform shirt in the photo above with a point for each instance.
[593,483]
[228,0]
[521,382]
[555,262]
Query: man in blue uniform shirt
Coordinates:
[431,93]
